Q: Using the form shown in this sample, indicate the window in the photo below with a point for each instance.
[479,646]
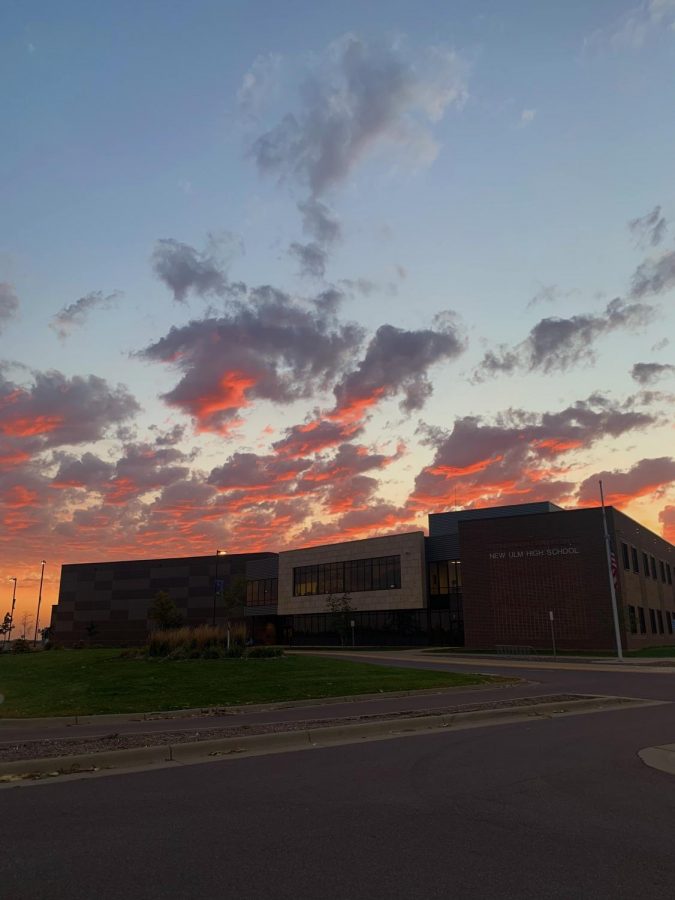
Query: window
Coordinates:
[645,564]
[262,592]
[652,620]
[659,619]
[632,621]
[382,573]
[445,577]
[624,553]
[669,621]
[663,571]
[668,575]
[634,554]
[641,616]
[653,562]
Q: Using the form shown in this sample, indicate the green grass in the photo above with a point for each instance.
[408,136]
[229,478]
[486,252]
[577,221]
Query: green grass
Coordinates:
[85,682]
[653,652]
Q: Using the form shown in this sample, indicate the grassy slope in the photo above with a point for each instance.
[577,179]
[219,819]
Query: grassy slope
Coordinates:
[80,682]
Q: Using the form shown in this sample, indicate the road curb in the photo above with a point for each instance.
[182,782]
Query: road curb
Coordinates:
[661,758]
[241,709]
[227,747]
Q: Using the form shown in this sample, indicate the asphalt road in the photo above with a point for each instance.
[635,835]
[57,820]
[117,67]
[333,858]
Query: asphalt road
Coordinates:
[559,808]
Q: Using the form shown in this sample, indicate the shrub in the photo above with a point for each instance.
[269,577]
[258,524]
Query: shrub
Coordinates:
[163,643]
[264,652]
[21,645]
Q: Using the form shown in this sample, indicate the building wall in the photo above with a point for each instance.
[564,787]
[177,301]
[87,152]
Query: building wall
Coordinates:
[640,589]
[518,569]
[411,594]
[115,596]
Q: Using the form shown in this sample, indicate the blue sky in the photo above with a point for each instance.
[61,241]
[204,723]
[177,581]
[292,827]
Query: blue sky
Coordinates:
[514,145]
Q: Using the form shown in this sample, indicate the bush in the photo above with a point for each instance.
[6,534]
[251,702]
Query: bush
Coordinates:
[264,652]
[194,641]
[21,645]
[204,642]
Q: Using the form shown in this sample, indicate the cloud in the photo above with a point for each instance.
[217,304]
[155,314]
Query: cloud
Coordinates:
[517,457]
[646,477]
[312,258]
[269,348]
[527,116]
[649,229]
[320,222]
[558,344]
[185,270]
[258,84]
[654,276]
[76,314]
[648,373]
[397,361]
[667,520]
[9,304]
[56,410]
[358,98]
[315,437]
[632,29]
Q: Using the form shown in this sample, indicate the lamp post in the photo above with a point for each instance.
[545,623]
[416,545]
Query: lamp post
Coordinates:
[11,615]
[219,553]
[43,563]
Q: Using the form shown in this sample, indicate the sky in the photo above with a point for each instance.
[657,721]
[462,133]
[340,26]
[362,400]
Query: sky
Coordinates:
[281,274]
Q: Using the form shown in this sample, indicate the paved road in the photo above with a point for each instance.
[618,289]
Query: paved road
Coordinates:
[558,808]
[554,809]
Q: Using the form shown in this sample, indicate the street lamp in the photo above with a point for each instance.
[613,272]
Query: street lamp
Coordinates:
[37,618]
[11,615]
[219,553]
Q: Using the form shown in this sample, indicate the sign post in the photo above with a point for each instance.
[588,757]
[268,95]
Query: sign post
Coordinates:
[353,624]
[550,615]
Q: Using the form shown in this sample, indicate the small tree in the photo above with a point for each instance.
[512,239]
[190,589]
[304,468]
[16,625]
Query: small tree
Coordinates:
[341,611]
[231,601]
[6,626]
[164,612]
[92,631]
[26,624]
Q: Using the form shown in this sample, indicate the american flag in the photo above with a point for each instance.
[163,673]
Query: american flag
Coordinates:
[615,571]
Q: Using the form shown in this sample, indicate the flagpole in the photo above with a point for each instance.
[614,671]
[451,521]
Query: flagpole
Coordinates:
[612,588]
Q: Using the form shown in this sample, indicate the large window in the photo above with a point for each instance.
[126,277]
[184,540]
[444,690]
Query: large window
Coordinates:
[262,592]
[348,577]
[641,616]
[445,577]
[624,553]
[632,621]
[645,564]
[652,620]
[634,555]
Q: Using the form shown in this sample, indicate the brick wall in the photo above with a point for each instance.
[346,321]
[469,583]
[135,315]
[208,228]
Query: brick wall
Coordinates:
[516,570]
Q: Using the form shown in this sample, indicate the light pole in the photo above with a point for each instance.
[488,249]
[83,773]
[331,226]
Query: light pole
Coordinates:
[219,553]
[11,615]
[43,563]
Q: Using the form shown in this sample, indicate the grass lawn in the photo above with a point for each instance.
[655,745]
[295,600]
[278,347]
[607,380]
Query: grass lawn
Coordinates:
[653,651]
[84,682]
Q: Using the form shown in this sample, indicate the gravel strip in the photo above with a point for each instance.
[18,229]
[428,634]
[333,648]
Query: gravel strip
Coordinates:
[44,749]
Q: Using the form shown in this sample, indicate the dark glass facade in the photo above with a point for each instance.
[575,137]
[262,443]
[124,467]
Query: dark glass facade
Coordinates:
[408,627]
[262,592]
[382,573]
